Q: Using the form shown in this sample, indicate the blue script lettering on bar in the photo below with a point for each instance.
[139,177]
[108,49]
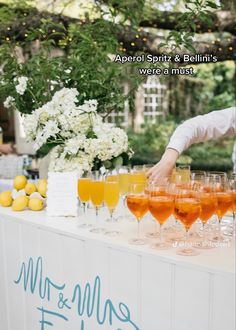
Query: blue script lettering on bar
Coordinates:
[86,300]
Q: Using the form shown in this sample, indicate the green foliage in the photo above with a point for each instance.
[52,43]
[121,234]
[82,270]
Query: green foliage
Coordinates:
[86,66]
[219,85]
[150,143]
[212,155]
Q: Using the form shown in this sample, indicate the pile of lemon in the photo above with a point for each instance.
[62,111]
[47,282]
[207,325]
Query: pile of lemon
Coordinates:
[25,194]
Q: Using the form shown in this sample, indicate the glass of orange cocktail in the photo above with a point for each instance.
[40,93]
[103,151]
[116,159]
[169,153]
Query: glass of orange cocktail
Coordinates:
[84,187]
[161,206]
[224,197]
[187,210]
[209,204]
[97,186]
[231,229]
[137,202]
[111,199]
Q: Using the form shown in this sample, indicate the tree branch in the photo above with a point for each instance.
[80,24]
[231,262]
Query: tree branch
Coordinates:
[222,21]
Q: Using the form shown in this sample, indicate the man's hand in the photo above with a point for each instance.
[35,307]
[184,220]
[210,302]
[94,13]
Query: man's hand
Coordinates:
[165,166]
[6,148]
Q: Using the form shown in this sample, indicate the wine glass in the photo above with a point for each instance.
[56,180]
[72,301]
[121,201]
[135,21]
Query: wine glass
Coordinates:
[97,196]
[224,203]
[161,206]
[231,230]
[111,199]
[137,202]
[209,204]
[154,189]
[138,174]
[187,209]
[84,186]
[182,173]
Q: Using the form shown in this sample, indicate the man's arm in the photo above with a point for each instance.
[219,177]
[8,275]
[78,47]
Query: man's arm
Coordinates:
[214,125]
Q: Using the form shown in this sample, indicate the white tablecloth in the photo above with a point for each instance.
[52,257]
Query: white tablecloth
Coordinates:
[123,286]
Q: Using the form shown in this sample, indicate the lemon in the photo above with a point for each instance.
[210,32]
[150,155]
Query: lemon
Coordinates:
[20,203]
[20,182]
[42,187]
[36,204]
[30,188]
[6,198]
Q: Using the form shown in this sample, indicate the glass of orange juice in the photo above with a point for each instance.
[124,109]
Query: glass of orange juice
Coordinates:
[137,202]
[97,186]
[111,199]
[138,174]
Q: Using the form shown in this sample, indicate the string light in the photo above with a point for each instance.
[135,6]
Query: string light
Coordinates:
[26,35]
[144,39]
[53,31]
[137,36]
[23,23]
[132,44]
[219,49]
[230,48]
[7,39]
[8,28]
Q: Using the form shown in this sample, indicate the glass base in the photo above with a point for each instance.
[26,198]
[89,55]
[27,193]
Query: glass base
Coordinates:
[161,246]
[152,235]
[137,241]
[205,245]
[177,237]
[113,220]
[219,238]
[85,226]
[187,252]
[97,230]
[112,233]
[125,218]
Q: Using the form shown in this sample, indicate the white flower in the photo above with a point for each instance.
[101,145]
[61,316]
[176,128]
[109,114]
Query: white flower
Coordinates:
[9,102]
[89,106]
[68,71]
[22,85]
[30,124]
[73,145]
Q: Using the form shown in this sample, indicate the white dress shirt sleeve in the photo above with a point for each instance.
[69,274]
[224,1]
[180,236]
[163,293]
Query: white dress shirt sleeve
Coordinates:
[216,124]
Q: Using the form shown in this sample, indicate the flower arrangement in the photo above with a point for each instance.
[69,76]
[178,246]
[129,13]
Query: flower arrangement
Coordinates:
[75,134]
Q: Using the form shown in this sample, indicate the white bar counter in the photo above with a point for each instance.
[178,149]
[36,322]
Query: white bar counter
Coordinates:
[55,275]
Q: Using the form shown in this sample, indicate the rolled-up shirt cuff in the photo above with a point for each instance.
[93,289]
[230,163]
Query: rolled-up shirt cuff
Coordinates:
[177,144]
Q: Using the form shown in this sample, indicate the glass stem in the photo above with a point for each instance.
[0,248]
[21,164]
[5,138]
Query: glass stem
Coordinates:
[219,226]
[234,224]
[84,207]
[204,232]
[111,215]
[138,233]
[161,236]
[187,237]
